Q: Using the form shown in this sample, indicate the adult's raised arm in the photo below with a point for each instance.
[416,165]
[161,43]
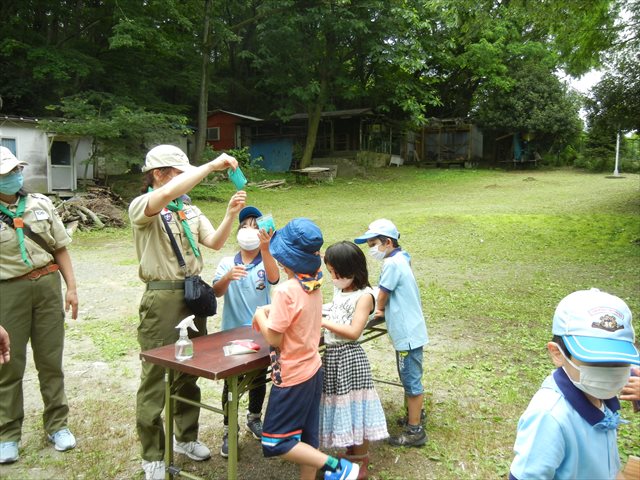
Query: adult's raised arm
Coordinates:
[183,183]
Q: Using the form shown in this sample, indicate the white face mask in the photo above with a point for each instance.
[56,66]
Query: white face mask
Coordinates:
[342,283]
[376,253]
[248,238]
[600,382]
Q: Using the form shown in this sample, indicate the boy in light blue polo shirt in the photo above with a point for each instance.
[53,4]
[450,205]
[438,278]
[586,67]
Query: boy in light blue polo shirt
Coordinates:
[399,303]
[245,281]
[569,430]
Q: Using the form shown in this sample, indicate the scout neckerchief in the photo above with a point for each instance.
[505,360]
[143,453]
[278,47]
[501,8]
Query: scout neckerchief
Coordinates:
[177,206]
[18,224]
[309,282]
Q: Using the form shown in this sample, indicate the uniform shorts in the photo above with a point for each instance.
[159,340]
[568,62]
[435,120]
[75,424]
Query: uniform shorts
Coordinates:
[292,416]
[409,364]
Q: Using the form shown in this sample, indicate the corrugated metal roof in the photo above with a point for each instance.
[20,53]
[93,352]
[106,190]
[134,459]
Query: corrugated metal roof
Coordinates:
[239,115]
[354,112]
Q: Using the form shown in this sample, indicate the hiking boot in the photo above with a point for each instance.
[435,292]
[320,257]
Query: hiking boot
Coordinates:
[153,470]
[411,437]
[346,471]
[63,440]
[224,449]
[404,421]
[194,450]
[8,452]
[255,426]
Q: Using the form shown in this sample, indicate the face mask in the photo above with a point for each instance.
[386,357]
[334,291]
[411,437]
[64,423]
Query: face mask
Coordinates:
[376,253]
[11,183]
[342,283]
[600,382]
[248,238]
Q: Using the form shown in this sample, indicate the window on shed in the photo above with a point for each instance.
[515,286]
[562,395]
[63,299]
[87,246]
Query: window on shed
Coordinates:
[10,143]
[60,153]
[213,134]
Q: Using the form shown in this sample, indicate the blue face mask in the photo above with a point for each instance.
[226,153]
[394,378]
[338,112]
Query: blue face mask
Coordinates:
[11,183]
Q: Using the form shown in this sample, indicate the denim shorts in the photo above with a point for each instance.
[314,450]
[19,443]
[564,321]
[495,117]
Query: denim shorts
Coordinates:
[409,364]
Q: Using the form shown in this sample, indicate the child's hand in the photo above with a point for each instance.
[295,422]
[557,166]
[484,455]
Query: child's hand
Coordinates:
[631,390]
[265,238]
[378,313]
[236,273]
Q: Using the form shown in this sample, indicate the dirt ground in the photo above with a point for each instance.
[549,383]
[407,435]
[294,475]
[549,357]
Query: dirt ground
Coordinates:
[109,291]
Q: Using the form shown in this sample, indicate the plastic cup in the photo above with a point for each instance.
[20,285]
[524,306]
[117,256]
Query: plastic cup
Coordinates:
[238,178]
[265,222]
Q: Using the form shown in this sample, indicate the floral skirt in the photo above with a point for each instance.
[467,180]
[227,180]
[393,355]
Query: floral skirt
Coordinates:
[350,409]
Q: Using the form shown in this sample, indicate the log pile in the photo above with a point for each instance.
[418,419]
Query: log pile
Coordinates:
[99,207]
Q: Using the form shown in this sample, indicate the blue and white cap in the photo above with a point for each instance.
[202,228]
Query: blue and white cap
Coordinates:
[596,327]
[378,227]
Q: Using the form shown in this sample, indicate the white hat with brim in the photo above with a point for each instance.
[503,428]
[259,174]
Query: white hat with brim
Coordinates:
[596,327]
[167,156]
[379,227]
[8,161]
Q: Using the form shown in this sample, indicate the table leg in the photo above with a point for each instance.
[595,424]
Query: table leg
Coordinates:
[168,420]
[232,405]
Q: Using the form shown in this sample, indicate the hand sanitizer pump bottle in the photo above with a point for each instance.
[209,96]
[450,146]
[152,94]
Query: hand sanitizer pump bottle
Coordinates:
[184,345]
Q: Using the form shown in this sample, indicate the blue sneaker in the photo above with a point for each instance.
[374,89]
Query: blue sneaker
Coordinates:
[8,452]
[346,471]
[63,440]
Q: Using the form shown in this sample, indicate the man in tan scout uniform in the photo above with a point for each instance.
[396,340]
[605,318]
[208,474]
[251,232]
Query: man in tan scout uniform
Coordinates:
[168,177]
[33,250]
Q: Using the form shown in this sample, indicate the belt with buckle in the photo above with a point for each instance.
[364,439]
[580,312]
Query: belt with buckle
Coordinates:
[165,285]
[37,273]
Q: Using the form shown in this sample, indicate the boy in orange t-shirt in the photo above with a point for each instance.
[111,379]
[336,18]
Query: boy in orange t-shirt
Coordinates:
[291,325]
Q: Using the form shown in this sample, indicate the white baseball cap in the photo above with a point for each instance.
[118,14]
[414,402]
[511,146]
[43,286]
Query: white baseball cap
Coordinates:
[8,161]
[596,327]
[167,156]
[378,227]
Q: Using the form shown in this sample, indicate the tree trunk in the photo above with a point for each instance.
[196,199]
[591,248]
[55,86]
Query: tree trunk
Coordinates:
[312,133]
[203,101]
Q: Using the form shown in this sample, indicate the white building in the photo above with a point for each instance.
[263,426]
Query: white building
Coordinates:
[56,162]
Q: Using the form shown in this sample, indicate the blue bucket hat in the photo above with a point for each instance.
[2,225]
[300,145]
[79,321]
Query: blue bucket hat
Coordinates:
[247,212]
[297,246]
[596,327]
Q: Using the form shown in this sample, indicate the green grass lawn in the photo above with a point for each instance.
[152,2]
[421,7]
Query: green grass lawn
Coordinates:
[493,253]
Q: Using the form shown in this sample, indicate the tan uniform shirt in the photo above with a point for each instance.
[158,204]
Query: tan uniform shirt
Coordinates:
[153,247]
[43,220]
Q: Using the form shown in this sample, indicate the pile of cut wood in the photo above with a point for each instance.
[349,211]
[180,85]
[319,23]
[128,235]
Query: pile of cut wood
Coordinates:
[98,207]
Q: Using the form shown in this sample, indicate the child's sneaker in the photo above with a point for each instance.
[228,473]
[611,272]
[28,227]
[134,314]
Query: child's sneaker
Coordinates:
[153,470]
[224,449]
[63,440]
[254,424]
[404,421]
[411,437]
[346,471]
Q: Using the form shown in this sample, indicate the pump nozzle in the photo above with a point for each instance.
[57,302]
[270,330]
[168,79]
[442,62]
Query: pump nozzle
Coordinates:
[187,323]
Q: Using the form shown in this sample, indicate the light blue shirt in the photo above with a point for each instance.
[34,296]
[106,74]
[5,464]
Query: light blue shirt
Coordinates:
[561,435]
[403,312]
[245,295]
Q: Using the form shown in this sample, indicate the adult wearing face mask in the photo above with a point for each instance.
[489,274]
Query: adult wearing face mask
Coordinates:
[168,177]
[569,430]
[245,280]
[33,254]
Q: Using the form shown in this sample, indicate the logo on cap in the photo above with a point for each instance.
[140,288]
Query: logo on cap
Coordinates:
[608,323]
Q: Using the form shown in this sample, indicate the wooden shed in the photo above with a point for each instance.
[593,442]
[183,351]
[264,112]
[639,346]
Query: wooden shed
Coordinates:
[447,141]
[225,129]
